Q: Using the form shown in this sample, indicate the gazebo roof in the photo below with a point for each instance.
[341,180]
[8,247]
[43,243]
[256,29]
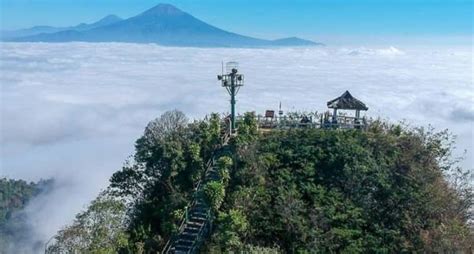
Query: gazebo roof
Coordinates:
[346,101]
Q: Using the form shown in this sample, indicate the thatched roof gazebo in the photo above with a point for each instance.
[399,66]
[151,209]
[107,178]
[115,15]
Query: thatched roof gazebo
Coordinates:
[346,102]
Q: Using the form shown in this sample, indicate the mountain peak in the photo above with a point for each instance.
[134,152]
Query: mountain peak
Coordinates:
[107,20]
[110,18]
[163,9]
[163,24]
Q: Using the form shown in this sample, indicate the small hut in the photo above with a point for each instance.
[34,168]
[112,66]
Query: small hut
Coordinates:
[346,102]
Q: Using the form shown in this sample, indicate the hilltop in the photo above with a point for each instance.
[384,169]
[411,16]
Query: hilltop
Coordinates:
[163,24]
[385,189]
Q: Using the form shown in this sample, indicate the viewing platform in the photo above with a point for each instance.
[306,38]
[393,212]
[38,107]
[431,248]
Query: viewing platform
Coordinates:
[316,120]
[232,81]
[330,120]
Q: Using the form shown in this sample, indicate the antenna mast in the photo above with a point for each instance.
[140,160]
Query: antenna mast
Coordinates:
[232,81]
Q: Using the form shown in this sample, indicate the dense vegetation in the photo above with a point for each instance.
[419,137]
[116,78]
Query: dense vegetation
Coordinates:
[14,196]
[349,191]
[389,189]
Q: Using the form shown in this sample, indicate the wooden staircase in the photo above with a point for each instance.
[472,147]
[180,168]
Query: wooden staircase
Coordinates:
[196,224]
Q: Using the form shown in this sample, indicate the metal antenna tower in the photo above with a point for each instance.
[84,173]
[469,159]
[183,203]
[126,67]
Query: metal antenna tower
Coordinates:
[232,81]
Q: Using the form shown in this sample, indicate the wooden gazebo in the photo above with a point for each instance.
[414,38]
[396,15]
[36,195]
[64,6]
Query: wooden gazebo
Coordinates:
[346,102]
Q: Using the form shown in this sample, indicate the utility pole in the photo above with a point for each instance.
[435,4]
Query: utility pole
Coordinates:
[232,81]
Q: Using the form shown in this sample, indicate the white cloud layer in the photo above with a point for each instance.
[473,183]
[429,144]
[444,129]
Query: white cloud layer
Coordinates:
[73,111]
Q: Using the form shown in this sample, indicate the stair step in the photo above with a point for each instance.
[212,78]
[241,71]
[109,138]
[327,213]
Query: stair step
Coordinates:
[182,248]
[189,236]
[190,230]
[184,242]
[197,220]
[193,224]
[202,215]
[198,217]
[200,208]
[199,212]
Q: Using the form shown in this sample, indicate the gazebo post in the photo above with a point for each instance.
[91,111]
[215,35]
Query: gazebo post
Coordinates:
[356,120]
[334,116]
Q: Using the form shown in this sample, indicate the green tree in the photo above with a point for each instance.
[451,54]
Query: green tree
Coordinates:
[99,229]
[214,193]
[14,197]
[161,179]
[232,226]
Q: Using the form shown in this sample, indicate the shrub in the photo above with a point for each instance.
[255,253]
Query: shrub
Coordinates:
[214,192]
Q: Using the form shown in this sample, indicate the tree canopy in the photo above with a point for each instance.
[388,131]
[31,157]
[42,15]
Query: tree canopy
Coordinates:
[14,197]
[389,189]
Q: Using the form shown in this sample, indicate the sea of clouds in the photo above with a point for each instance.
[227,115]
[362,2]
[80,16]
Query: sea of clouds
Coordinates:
[72,111]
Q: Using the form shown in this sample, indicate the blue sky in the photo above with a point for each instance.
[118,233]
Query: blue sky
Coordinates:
[270,18]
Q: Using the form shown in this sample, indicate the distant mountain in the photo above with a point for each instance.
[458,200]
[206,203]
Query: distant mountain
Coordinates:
[107,20]
[293,41]
[163,24]
[29,31]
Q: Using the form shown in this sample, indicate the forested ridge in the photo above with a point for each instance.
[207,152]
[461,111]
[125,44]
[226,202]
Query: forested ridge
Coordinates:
[14,196]
[388,189]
